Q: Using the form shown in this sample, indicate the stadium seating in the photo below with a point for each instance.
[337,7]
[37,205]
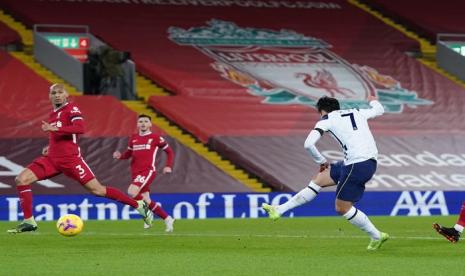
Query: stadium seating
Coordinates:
[7,35]
[427,18]
[267,138]
[25,104]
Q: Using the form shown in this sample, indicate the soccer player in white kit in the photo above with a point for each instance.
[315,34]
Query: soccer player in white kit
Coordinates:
[350,128]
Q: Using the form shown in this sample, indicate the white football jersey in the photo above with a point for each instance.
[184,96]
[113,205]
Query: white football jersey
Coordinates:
[350,128]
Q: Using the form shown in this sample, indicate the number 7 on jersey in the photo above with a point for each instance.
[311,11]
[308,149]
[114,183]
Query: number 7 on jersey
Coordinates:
[352,120]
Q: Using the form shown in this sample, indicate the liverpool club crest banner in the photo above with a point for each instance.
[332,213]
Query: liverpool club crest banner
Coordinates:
[285,67]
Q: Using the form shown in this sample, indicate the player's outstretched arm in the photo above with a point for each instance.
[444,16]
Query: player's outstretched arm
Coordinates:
[77,127]
[376,109]
[309,145]
[125,155]
[48,127]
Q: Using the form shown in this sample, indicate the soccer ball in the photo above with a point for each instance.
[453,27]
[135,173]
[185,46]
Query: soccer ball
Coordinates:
[69,225]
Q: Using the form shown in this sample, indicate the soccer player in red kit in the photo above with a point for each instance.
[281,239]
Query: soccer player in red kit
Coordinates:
[142,149]
[453,233]
[63,155]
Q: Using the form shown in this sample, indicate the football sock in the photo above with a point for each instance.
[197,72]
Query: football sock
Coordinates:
[157,210]
[31,221]
[138,197]
[25,200]
[305,195]
[359,219]
[115,194]
[459,228]
[461,221]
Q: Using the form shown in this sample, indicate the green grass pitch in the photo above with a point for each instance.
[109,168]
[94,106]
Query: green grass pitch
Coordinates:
[296,246]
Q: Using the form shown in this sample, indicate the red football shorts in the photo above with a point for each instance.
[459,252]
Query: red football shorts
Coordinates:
[76,168]
[143,180]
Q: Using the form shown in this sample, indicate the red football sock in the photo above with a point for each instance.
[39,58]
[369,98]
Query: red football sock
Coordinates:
[115,194]
[461,220]
[138,197]
[25,199]
[157,210]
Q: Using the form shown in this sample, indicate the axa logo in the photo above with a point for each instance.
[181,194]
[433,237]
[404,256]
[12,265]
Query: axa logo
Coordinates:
[419,203]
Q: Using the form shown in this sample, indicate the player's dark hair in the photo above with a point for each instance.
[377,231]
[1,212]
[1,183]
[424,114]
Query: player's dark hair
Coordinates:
[144,116]
[327,104]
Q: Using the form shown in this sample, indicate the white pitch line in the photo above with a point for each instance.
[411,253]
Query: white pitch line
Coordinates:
[279,236]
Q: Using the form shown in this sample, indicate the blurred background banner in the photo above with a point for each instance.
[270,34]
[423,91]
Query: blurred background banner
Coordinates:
[235,205]
[404,164]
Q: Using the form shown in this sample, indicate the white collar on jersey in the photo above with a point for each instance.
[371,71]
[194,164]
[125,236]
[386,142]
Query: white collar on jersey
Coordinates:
[61,106]
[145,134]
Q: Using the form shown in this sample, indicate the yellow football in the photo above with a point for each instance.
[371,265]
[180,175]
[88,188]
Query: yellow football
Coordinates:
[69,225]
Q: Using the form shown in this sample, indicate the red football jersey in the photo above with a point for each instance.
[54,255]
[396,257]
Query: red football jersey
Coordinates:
[64,142]
[143,149]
